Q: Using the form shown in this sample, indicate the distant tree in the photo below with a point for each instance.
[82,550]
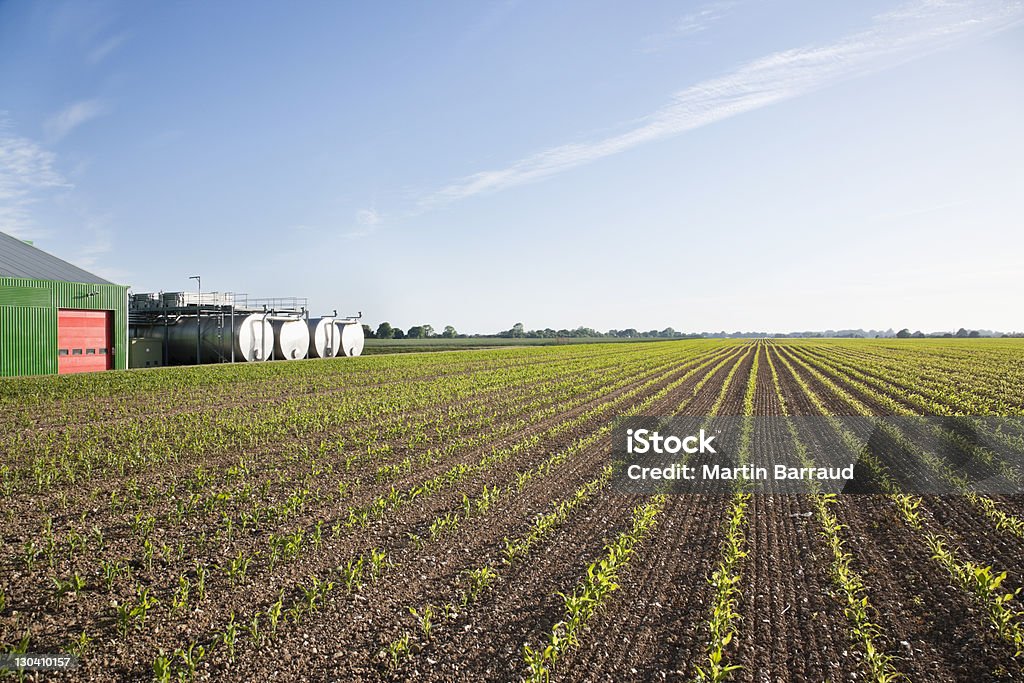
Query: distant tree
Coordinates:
[961,332]
[449,332]
[903,334]
[397,333]
[428,331]
[368,332]
[918,335]
[974,334]
[946,335]
[516,331]
[415,332]
[385,331]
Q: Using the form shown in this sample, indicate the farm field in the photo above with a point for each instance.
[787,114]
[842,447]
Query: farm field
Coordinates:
[450,516]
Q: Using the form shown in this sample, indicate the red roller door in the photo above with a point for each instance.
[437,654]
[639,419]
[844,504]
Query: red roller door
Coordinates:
[85,341]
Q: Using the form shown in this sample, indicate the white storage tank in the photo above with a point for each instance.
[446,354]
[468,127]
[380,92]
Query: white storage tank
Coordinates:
[291,339]
[324,338]
[352,338]
[252,338]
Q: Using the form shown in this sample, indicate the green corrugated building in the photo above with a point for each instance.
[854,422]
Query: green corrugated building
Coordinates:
[56,317]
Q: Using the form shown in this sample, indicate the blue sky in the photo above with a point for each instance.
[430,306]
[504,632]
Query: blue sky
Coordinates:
[768,165]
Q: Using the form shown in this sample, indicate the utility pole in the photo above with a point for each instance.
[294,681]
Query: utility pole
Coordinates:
[199,310]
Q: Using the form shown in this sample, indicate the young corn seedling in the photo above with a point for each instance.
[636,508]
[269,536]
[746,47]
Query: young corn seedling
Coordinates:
[179,602]
[479,579]
[254,630]
[162,668]
[230,637]
[49,542]
[29,553]
[124,618]
[81,644]
[201,573]
[537,661]
[110,571]
[166,552]
[143,526]
[378,563]
[397,650]
[352,573]
[191,658]
[144,603]
[425,619]
[274,612]
[128,613]
[316,592]
[357,518]
[414,540]
[237,568]
[147,552]
[275,552]
[76,543]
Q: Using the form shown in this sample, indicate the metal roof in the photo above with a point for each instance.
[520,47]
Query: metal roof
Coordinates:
[21,260]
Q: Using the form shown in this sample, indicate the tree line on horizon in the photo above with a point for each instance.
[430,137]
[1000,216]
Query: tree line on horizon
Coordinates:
[387,331]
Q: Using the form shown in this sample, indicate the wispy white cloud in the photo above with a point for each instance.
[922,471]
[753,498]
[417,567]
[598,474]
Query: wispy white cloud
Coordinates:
[62,123]
[89,26]
[74,116]
[100,242]
[72,20]
[96,243]
[27,171]
[29,175]
[101,50]
[911,31]
[691,24]
[368,217]
[367,221]
[703,18]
